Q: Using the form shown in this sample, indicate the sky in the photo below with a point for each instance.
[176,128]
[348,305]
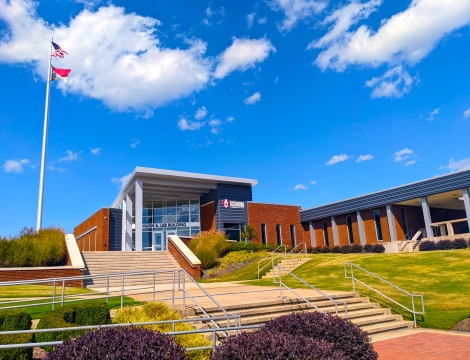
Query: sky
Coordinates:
[318,100]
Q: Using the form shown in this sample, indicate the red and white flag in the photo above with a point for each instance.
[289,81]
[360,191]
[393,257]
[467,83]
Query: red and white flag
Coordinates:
[62,73]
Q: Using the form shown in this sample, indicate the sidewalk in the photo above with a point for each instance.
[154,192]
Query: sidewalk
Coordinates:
[423,344]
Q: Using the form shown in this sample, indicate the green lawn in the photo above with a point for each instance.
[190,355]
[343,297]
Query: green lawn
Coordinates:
[29,291]
[443,277]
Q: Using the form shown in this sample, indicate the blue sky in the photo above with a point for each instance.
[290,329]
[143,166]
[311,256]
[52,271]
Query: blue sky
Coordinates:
[318,100]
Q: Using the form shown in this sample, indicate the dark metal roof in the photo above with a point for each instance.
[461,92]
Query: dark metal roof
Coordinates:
[436,185]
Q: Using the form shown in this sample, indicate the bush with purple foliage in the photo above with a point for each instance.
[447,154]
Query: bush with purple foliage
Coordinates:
[346,249]
[119,344]
[357,249]
[444,245]
[336,249]
[427,245]
[378,248]
[262,345]
[368,248]
[343,334]
[459,244]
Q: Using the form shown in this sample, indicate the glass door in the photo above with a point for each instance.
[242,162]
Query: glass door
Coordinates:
[158,241]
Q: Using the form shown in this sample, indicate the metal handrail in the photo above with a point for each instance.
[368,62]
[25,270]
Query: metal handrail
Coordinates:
[280,271]
[271,255]
[293,257]
[353,279]
[237,328]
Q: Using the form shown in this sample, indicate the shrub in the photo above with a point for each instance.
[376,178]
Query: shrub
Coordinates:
[266,345]
[378,248]
[158,311]
[459,244]
[336,249]
[15,320]
[326,249]
[344,335]
[346,249]
[444,245]
[356,248]
[427,245]
[45,248]
[368,248]
[208,246]
[119,344]
[245,246]
[70,316]
[316,250]
[232,259]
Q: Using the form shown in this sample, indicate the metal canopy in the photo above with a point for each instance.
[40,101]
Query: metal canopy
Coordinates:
[160,184]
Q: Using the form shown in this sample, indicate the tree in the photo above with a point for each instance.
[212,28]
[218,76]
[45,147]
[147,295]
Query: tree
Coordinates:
[248,233]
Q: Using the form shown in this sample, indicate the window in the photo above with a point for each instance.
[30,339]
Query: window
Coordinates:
[263,234]
[405,223]
[324,225]
[350,229]
[292,235]
[278,234]
[378,227]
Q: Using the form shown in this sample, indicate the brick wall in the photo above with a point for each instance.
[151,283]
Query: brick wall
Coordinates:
[271,214]
[42,273]
[193,270]
[369,225]
[208,216]
[100,219]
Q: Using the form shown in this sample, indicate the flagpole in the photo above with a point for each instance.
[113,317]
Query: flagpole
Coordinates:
[44,141]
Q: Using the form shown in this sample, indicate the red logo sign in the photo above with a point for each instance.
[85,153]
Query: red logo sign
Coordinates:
[225,203]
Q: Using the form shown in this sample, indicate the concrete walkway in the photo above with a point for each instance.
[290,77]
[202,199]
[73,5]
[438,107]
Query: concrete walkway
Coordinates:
[423,344]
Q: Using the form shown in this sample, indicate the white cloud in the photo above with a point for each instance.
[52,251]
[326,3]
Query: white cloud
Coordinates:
[208,11]
[15,166]
[394,83]
[411,162]
[96,151]
[134,143]
[185,124]
[466,113]
[71,156]
[407,36]
[403,154]
[343,18]
[89,4]
[276,80]
[253,99]
[338,158]
[55,168]
[215,125]
[433,114]
[296,10]
[364,158]
[453,165]
[300,187]
[122,62]
[242,55]
[121,181]
[249,19]
[313,182]
[230,119]
[262,20]
[201,113]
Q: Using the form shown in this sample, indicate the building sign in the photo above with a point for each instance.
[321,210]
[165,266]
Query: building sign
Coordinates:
[233,204]
[167,225]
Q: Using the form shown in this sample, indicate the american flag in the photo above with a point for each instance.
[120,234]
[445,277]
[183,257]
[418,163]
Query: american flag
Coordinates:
[58,52]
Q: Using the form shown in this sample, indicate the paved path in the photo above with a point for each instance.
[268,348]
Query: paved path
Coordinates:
[423,344]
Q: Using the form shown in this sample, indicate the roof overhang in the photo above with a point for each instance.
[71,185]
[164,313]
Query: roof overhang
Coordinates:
[160,184]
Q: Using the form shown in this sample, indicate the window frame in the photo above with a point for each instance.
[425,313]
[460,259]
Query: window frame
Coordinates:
[264,235]
[293,239]
[278,234]
[326,240]
[349,226]
[378,225]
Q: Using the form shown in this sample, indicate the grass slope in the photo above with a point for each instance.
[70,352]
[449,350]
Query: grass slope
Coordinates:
[443,277]
[29,291]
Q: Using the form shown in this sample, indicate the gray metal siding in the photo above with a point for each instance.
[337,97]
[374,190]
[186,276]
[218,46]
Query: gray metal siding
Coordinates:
[115,229]
[420,189]
[234,192]
[210,196]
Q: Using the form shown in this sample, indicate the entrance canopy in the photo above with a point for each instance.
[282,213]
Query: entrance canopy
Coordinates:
[160,184]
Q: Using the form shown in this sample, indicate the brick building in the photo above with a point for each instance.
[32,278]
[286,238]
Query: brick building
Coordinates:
[156,203]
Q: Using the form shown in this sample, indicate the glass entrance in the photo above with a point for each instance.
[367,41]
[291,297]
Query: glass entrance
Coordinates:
[158,241]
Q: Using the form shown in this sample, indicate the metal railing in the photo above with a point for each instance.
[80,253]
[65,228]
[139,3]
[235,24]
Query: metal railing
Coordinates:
[294,255]
[178,281]
[413,311]
[273,255]
[226,330]
[283,271]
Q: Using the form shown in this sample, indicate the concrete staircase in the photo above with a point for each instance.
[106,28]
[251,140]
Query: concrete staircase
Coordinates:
[288,264]
[108,262]
[370,317]
[404,246]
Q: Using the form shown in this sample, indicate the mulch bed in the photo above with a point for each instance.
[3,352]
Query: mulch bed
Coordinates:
[464,325]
